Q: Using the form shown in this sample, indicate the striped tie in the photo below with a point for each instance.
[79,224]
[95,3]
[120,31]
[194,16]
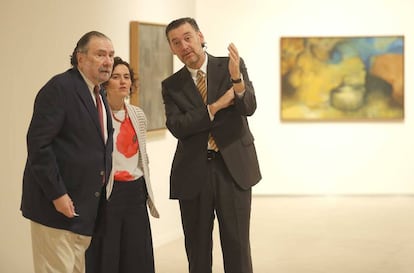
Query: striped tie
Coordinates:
[202,88]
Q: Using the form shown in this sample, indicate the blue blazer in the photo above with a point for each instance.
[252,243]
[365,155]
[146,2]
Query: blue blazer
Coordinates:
[66,154]
[188,120]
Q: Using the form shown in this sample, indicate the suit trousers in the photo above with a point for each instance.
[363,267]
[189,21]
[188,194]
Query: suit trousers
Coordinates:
[223,198]
[126,245]
[58,250]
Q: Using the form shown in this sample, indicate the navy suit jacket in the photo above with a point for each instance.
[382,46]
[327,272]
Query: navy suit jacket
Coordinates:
[188,120]
[66,154]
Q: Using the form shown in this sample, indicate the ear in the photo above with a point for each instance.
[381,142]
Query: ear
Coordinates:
[79,57]
[201,36]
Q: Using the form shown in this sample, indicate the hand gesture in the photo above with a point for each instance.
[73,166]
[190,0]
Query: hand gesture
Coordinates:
[234,62]
[65,206]
[223,102]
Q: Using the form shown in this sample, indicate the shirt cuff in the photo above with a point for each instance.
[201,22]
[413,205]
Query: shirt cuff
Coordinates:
[209,113]
[240,94]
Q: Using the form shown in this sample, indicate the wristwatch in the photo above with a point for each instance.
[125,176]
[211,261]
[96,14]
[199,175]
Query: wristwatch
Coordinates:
[239,80]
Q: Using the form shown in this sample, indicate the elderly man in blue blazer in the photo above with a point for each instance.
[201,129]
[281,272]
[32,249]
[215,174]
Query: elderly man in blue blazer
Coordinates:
[69,145]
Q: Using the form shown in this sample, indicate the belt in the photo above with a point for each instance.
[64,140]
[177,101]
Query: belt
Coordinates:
[211,154]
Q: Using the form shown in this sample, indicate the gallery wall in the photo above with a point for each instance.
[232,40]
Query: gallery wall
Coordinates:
[298,158]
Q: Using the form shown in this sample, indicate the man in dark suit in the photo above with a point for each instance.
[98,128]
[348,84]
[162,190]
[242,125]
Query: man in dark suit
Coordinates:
[215,164]
[69,147]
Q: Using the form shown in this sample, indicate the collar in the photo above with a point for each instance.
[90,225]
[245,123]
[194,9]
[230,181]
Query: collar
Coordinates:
[203,68]
[88,82]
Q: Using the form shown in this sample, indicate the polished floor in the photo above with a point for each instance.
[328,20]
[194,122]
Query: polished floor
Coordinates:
[320,234]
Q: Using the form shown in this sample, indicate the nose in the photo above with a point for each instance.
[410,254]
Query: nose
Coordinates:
[109,60]
[184,45]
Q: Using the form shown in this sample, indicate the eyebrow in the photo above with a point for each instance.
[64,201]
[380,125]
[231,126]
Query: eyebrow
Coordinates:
[184,34]
[112,52]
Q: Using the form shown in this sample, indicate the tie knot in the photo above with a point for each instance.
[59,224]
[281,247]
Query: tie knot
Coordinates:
[96,90]
[200,74]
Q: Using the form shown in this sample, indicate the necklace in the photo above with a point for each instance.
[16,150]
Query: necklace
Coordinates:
[125,117]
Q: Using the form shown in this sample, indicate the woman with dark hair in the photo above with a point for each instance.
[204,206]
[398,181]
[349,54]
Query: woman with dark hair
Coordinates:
[126,244]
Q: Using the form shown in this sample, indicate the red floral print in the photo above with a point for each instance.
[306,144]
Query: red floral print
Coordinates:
[127,141]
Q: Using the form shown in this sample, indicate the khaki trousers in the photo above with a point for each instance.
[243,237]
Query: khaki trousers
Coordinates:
[58,250]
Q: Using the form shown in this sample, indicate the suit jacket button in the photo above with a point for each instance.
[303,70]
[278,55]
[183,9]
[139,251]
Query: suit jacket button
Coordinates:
[102,173]
[97,194]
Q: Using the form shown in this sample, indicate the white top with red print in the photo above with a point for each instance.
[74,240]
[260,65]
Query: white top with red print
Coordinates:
[126,148]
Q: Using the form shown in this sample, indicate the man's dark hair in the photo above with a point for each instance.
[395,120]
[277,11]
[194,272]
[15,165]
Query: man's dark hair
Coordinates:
[181,21]
[82,45]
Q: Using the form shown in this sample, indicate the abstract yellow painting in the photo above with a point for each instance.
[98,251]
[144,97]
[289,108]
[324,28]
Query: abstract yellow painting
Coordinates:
[342,78]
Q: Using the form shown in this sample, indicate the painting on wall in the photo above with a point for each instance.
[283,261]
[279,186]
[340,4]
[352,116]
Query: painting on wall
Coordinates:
[342,78]
[152,61]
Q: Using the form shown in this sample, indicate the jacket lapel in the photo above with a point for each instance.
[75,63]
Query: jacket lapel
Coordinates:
[188,87]
[216,72]
[81,88]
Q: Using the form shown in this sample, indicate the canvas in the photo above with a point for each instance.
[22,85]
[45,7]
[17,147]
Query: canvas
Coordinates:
[342,78]
[152,60]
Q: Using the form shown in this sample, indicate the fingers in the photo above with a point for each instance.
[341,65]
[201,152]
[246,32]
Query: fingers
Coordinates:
[233,53]
[234,62]
[233,49]
[229,96]
[65,206]
[70,209]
